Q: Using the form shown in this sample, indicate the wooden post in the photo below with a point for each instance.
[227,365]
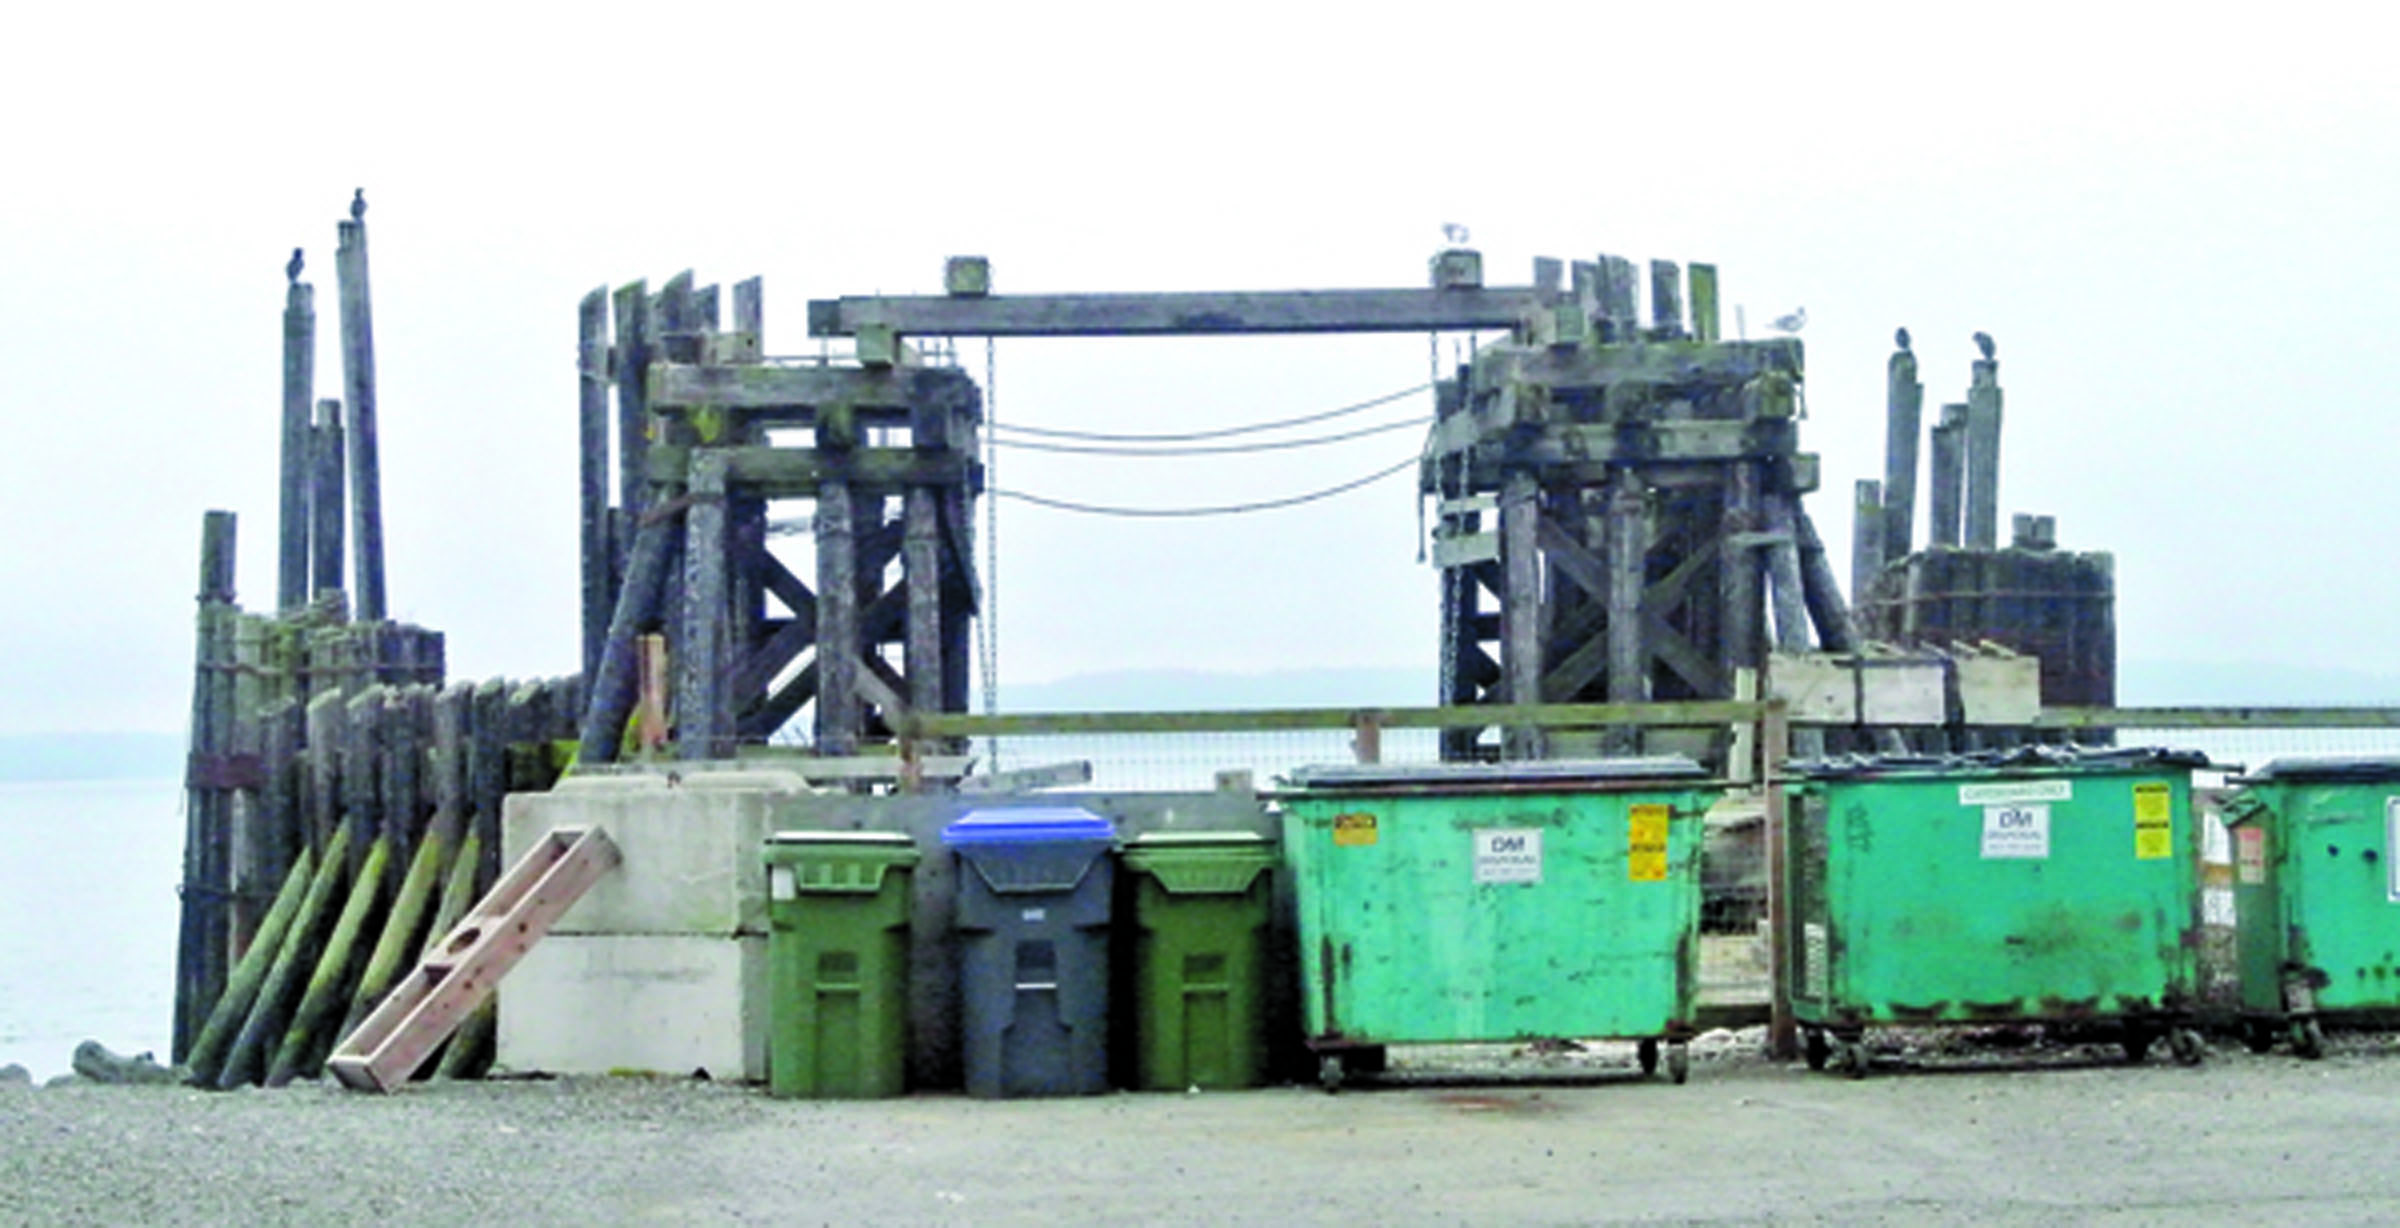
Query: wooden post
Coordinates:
[921,571]
[1867,527]
[633,402]
[1617,298]
[1738,571]
[358,388]
[362,794]
[1666,299]
[327,501]
[591,364]
[1945,475]
[1782,1034]
[201,943]
[1904,400]
[1790,603]
[1823,593]
[838,716]
[324,781]
[1703,279]
[1983,457]
[487,771]
[747,513]
[299,393]
[257,855]
[1521,606]
[1628,546]
[703,708]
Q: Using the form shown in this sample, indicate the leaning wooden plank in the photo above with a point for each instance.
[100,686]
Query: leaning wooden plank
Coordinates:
[252,1048]
[456,977]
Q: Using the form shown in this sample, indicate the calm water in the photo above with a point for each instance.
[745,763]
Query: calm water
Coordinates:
[87,918]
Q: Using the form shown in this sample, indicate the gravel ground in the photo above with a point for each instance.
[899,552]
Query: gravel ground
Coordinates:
[2046,1134]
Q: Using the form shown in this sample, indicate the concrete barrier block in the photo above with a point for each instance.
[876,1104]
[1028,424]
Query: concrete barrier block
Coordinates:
[663,1004]
[691,855]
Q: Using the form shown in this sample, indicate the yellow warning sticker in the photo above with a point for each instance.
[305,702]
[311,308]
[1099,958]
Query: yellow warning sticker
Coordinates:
[1646,843]
[2153,820]
[1354,830]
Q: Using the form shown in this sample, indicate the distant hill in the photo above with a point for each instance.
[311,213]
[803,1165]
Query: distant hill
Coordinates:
[91,756]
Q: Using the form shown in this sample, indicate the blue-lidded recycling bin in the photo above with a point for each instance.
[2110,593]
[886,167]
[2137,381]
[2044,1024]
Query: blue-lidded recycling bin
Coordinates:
[1034,891]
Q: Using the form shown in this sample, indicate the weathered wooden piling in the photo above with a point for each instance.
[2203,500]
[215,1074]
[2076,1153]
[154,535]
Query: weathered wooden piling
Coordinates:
[299,395]
[1904,400]
[201,945]
[1867,528]
[1703,280]
[358,387]
[253,1047]
[207,1057]
[1983,455]
[591,365]
[324,993]
[327,502]
[1944,476]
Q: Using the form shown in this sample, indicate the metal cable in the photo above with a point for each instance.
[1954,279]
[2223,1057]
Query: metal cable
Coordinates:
[1230,509]
[1226,432]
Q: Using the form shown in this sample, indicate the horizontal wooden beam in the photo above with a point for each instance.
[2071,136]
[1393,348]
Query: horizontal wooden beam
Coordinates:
[798,473]
[1649,362]
[953,724]
[2217,718]
[1689,439]
[1154,315]
[753,386]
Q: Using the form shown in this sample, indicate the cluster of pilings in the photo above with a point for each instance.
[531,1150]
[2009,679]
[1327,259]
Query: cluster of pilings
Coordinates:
[1620,508]
[677,572]
[332,782]
[1964,586]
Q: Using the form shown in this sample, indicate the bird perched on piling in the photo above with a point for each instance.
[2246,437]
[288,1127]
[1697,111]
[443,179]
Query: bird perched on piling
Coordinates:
[291,268]
[1900,339]
[1983,341]
[1453,233]
[358,204]
[1794,322]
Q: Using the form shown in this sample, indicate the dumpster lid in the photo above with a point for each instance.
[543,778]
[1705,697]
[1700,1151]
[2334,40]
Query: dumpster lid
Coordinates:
[1027,825]
[2360,767]
[1177,840]
[1534,771]
[2013,759]
[854,839]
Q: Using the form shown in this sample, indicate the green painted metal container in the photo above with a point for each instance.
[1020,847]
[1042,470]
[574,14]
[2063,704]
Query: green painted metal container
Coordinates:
[1474,902]
[2316,888]
[1201,903]
[2036,885]
[837,963]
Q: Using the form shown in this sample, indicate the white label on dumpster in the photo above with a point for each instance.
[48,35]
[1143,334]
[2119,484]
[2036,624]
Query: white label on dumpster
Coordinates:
[2016,831]
[2001,792]
[1036,914]
[1508,855]
[780,885]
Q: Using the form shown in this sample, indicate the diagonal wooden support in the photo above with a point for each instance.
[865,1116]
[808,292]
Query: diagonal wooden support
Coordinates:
[398,1035]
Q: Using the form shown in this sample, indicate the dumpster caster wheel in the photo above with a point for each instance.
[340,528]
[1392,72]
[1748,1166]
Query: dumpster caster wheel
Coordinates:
[1679,1062]
[1814,1048]
[1646,1052]
[2137,1046]
[1851,1055]
[2187,1047]
[2308,1038]
[2257,1037]
[1329,1072]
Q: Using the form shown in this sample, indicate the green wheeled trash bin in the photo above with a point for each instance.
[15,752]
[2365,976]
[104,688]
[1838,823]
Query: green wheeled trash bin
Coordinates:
[1201,902]
[837,963]
[1462,902]
[2316,891]
[2034,885]
[1034,907]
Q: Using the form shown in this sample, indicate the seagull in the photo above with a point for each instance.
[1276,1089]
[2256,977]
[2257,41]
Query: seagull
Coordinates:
[358,204]
[1453,232]
[1794,322]
[1900,338]
[1983,341]
[291,268]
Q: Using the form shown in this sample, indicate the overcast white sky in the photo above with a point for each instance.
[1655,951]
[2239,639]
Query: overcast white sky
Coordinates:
[2179,229]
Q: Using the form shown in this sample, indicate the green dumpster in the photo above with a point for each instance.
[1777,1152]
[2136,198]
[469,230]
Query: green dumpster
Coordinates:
[2039,884]
[1463,902]
[2316,889]
[837,956]
[1200,906]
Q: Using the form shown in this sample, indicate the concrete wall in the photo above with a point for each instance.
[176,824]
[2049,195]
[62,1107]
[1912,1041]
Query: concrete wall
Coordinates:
[692,869]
